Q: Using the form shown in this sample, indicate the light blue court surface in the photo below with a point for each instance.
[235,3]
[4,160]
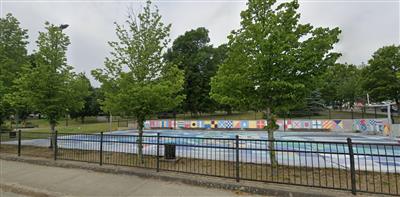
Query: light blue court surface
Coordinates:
[295,149]
[302,136]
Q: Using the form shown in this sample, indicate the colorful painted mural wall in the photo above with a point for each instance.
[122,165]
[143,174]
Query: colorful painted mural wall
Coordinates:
[368,126]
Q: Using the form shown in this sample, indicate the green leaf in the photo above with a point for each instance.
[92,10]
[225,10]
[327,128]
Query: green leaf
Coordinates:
[136,80]
[273,60]
[49,85]
[381,79]
[13,57]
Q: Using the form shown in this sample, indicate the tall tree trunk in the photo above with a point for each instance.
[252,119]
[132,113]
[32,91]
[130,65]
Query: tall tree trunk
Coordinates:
[229,110]
[53,132]
[271,124]
[140,138]
[270,129]
[66,120]
[16,120]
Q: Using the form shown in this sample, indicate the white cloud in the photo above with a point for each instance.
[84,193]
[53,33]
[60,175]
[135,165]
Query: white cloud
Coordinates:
[366,25]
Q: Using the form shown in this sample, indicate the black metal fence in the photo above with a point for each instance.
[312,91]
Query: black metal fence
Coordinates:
[356,167]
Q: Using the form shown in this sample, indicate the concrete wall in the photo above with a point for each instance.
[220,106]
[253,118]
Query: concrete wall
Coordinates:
[367,126]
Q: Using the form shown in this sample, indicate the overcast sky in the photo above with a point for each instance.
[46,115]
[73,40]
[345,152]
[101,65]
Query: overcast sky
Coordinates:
[366,25]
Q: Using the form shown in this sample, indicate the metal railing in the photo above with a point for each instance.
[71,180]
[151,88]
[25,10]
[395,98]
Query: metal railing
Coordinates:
[356,167]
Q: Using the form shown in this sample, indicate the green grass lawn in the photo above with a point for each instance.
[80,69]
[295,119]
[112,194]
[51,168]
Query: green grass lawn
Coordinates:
[74,126]
[259,115]
[92,125]
[223,116]
[80,128]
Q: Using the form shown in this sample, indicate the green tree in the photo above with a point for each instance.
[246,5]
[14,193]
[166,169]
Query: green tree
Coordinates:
[272,60]
[380,76]
[220,54]
[3,110]
[50,86]
[194,54]
[19,102]
[136,80]
[13,56]
[92,105]
[315,103]
[341,84]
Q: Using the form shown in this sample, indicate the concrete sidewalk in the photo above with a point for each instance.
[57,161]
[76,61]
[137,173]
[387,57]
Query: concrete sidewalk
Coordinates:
[55,181]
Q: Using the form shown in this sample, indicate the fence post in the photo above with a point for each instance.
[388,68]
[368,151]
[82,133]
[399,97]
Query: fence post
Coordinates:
[352,167]
[237,159]
[362,112]
[19,143]
[158,152]
[55,145]
[329,114]
[284,123]
[101,148]
[352,114]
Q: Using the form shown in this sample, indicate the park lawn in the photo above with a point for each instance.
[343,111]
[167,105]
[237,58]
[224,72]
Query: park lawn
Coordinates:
[259,115]
[43,131]
[346,115]
[92,125]
[74,126]
[79,128]
[222,116]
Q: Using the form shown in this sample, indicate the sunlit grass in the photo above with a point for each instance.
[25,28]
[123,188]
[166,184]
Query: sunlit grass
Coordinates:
[94,125]
[73,126]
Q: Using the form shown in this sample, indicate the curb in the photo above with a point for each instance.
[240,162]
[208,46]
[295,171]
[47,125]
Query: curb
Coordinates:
[260,188]
[27,191]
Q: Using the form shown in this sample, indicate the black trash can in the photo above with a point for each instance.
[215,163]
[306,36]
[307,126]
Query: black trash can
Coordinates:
[170,151]
[13,134]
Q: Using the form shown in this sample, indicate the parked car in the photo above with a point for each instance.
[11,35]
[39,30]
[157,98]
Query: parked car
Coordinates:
[166,115]
[392,109]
